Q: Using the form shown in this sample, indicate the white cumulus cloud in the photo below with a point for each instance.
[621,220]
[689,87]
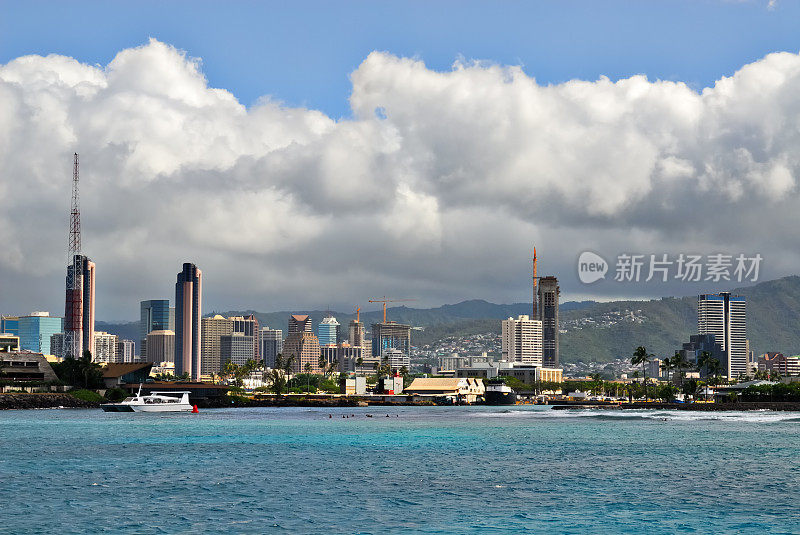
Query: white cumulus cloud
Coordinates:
[436,187]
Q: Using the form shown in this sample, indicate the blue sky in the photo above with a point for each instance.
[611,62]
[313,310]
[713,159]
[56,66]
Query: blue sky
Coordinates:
[302,52]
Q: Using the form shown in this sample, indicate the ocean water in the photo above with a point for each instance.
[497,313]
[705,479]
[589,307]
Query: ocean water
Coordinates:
[425,470]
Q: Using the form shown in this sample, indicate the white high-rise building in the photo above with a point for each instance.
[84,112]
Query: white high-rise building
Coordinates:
[723,315]
[105,347]
[522,341]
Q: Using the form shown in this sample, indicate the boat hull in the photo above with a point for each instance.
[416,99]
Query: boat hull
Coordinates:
[119,407]
[493,397]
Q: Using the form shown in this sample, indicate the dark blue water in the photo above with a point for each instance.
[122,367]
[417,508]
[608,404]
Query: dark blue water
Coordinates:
[423,470]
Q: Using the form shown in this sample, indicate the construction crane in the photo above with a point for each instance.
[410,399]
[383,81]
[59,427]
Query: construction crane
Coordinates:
[384,300]
[358,315]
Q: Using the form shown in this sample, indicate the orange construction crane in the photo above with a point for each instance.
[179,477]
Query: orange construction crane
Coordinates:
[384,301]
[358,315]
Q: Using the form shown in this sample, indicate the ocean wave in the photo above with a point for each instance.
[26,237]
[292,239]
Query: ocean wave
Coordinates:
[761,416]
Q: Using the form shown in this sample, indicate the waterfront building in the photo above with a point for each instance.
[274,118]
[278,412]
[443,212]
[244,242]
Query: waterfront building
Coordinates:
[188,311]
[793,365]
[270,345]
[776,362]
[154,315]
[549,293]
[521,340]
[724,316]
[391,335]
[36,331]
[22,366]
[126,351]
[9,325]
[105,347]
[328,331]
[79,306]
[302,343]
[9,342]
[237,348]
[463,389]
[162,347]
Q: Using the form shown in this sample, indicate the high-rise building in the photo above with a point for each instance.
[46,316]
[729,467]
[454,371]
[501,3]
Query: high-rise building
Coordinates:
[154,315]
[548,315]
[79,307]
[9,325]
[328,331]
[271,345]
[236,347]
[162,346]
[105,347]
[8,342]
[36,331]
[188,311]
[356,338]
[302,344]
[521,340]
[248,326]
[391,335]
[214,328]
[723,315]
[126,350]
[57,346]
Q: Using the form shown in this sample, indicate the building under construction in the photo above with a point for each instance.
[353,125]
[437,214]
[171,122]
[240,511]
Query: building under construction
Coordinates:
[391,335]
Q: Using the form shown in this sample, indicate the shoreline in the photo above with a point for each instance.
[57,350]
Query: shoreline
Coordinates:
[777,406]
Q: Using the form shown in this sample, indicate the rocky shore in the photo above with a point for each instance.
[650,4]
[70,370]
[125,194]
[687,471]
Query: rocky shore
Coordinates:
[43,401]
[739,406]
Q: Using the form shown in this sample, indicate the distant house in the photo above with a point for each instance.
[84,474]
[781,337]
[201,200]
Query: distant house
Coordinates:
[25,366]
[118,374]
[466,389]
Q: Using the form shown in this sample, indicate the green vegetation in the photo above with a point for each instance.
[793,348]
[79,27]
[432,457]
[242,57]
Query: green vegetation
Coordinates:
[87,395]
[776,392]
[79,372]
[115,395]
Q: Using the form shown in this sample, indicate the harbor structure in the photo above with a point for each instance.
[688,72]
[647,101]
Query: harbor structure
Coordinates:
[188,311]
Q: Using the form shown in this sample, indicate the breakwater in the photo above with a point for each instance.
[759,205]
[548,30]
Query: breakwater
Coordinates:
[43,401]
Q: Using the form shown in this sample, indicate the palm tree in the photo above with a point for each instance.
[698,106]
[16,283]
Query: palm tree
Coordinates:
[360,364]
[641,356]
[308,376]
[703,360]
[714,367]
[323,363]
[598,382]
[666,366]
[679,362]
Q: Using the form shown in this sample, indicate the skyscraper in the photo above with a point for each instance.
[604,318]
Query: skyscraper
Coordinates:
[271,345]
[328,331]
[105,347]
[521,340]
[188,311]
[391,335]
[302,343]
[248,326]
[548,315]
[154,315]
[36,331]
[214,328]
[79,306]
[162,347]
[723,315]
[236,347]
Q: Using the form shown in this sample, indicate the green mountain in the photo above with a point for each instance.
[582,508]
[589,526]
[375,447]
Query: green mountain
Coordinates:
[595,332]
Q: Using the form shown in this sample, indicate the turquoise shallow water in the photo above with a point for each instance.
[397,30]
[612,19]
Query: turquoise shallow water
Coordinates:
[423,470]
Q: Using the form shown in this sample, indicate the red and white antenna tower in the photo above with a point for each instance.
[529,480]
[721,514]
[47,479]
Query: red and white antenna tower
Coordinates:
[73,313]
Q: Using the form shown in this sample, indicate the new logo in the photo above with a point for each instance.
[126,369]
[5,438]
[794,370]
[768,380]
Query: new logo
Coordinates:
[591,267]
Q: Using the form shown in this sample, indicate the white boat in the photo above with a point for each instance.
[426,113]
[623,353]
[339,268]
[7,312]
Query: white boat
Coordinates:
[152,402]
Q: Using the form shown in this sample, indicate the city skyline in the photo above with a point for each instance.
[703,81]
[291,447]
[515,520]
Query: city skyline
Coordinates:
[279,189]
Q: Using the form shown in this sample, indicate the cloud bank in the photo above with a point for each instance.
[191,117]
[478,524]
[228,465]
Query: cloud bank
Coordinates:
[436,188]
